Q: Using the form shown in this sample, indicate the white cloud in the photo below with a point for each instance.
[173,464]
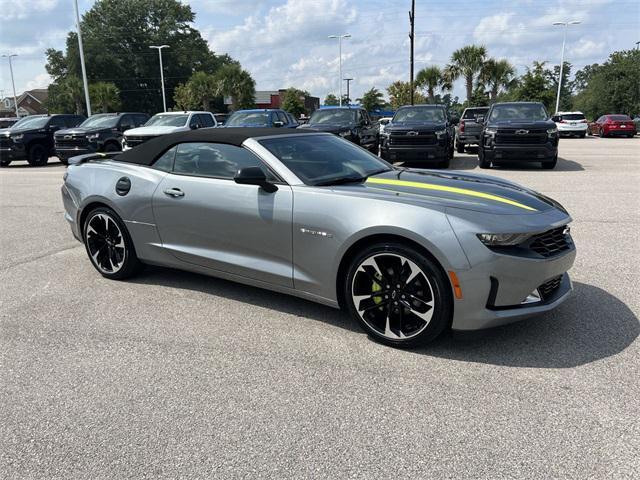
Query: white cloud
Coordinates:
[586,47]
[20,9]
[41,80]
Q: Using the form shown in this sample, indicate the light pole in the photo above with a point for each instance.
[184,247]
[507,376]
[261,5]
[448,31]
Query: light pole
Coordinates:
[348,80]
[84,70]
[13,84]
[637,45]
[160,47]
[564,40]
[340,37]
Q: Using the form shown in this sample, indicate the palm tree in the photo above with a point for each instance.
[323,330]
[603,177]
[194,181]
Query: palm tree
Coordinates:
[466,62]
[372,99]
[73,90]
[203,87]
[497,74]
[105,96]
[432,78]
[237,84]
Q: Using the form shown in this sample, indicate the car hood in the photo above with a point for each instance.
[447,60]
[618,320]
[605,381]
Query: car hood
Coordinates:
[330,128]
[153,131]
[454,189]
[414,126]
[81,131]
[522,124]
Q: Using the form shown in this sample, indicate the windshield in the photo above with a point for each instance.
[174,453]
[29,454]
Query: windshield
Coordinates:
[419,114]
[525,111]
[333,117]
[245,119]
[470,113]
[31,122]
[106,121]
[162,120]
[324,159]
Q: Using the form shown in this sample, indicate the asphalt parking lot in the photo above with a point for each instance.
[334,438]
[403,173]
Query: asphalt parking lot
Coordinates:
[177,375]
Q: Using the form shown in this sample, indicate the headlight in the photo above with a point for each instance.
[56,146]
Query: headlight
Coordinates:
[552,131]
[345,133]
[94,136]
[441,133]
[490,131]
[17,137]
[503,239]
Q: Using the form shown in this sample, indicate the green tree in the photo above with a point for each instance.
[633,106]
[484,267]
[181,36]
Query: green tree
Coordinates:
[183,99]
[400,94]
[535,86]
[497,75]
[293,101]
[70,96]
[467,62]
[372,100]
[612,86]
[202,87]
[104,97]
[431,79]
[565,91]
[120,52]
[331,99]
[237,84]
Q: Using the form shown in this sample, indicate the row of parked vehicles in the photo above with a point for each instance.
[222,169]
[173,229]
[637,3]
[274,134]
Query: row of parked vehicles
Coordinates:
[425,134]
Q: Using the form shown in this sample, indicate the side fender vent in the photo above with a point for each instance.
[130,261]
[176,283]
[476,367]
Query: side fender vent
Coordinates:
[123,186]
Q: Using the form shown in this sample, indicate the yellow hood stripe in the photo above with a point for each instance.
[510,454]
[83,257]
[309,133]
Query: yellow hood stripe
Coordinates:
[442,188]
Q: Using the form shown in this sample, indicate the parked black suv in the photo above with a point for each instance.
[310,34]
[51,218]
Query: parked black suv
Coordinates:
[419,133]
[31,138]
[352,124]
[519,131]
[98,133]
[469,129]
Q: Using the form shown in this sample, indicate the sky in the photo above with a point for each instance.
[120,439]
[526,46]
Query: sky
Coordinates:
[284,43]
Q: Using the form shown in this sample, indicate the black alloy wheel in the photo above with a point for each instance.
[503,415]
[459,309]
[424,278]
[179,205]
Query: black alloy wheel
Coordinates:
[38,155]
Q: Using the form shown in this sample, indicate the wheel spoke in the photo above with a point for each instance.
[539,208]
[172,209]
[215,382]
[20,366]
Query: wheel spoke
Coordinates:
[105,243]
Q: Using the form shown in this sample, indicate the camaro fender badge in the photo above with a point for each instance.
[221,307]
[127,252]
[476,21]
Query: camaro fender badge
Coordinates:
[317,233]
[522,132]
[444,188]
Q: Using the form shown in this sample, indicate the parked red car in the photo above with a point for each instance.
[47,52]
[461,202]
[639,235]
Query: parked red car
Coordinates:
[613,125]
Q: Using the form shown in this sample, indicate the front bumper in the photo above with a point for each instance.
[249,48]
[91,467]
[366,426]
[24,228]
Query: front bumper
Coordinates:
[422,153]
[67,153]
[17,151]
[530,153]
[6,154]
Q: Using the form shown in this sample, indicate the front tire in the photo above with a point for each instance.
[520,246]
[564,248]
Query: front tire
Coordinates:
[111,147]
[109,245]
[5,163]
[398,295]
[551,164]
[38,155]
[482,161]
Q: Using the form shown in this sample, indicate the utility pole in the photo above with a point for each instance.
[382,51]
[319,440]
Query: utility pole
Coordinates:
[348,80]
[13,84]
[160,47]
[84,70]
[340,37]
[412,21]
[564,40]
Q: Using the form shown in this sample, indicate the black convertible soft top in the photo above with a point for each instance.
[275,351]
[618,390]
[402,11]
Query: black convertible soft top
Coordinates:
[147,152]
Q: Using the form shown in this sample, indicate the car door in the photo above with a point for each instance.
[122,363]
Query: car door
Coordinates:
[368,135]
[205,218]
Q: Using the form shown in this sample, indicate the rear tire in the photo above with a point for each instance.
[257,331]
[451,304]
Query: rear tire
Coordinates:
[582,135]
[64,161]
[444,163]
[601,133]
[111,147]
[38,155]
[398,296]
[459,147]
[5,163]
[109,245]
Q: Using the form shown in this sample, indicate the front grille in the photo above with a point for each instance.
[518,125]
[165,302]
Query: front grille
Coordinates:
[74,141]
[402,139]
[548,288]
[5,142]
[510,137]
[552,242]
[135,141]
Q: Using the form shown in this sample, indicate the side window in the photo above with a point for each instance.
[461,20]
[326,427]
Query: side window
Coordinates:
[165,161]
[140,120]
[73,121]
[127,122]
[194,121]
[283,118]
[206,120]
[213,160]
[58,122]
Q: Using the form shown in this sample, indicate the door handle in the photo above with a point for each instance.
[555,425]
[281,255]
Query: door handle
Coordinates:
[174,192]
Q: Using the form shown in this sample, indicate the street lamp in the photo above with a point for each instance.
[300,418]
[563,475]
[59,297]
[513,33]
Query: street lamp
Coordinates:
[160,47]
[84,70]
[340,37]
[15,99]
[348,80]
[564,40]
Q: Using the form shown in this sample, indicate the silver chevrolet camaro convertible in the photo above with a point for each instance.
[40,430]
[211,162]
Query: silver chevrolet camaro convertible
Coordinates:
[409,253]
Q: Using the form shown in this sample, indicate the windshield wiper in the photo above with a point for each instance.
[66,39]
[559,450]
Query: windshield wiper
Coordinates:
[341,181]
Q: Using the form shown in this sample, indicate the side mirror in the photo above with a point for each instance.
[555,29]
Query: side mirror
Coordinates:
[254,176]
[278,124]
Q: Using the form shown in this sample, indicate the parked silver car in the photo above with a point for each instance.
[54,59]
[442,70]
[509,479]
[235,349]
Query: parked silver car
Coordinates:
[409,253]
